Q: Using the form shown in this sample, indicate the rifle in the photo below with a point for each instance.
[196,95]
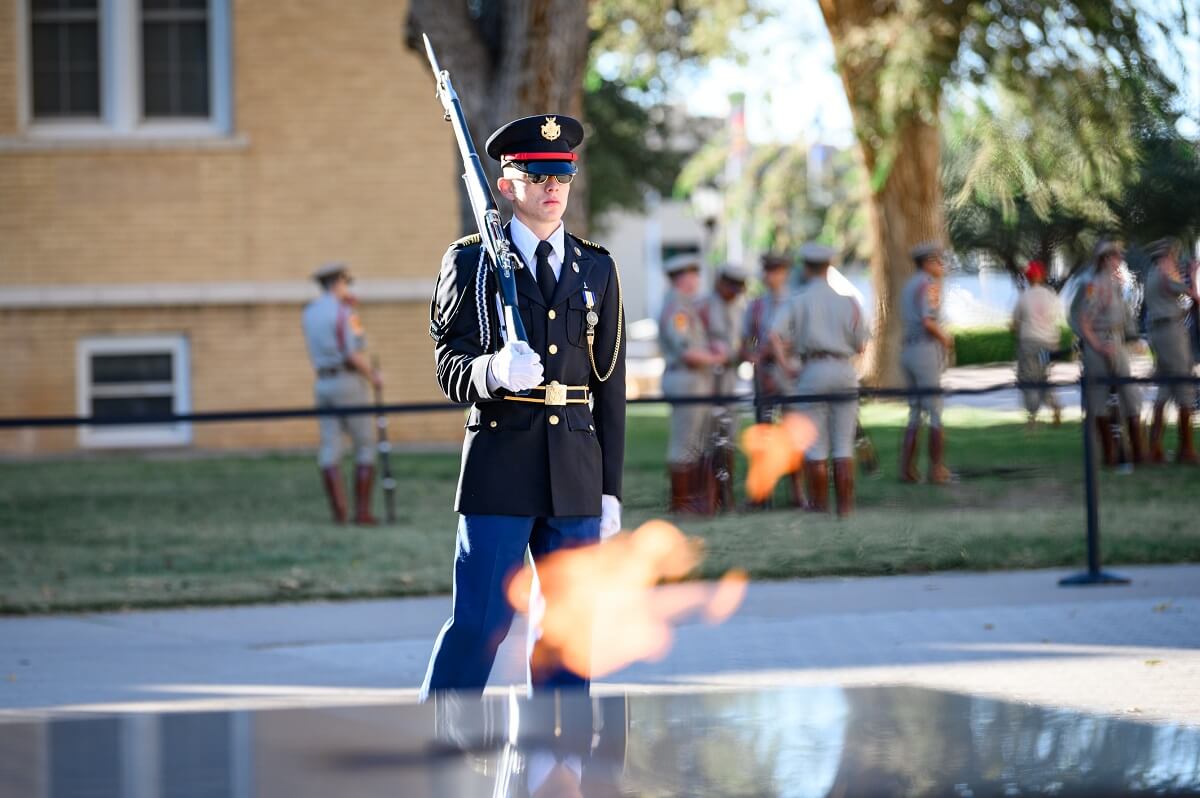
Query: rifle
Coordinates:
[385,452]
[718,454]
[483,205]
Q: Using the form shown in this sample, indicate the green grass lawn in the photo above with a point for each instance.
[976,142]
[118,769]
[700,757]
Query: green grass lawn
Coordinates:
[142,530]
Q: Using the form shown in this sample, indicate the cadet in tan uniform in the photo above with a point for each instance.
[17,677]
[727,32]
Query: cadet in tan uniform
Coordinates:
[688,371]
[721,311]
[1035,323]
[825,330]
[769,378]
[1104,324]
[336,346]
[1168,301]
[923,358]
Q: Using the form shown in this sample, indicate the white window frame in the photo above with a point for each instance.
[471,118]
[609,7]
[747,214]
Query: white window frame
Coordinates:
[139,435]
[121,80]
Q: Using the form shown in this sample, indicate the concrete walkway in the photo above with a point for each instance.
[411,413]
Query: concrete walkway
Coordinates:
[1126,650]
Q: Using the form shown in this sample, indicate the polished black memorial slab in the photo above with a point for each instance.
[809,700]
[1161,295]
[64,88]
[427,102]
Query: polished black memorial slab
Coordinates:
[819,741]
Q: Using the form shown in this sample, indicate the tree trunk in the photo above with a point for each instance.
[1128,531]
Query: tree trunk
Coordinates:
[904,212]
[906,199]
[526,59]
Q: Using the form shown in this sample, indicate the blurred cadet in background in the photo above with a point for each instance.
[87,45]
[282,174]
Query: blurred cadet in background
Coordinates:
[336,347]
[1169,300]
[721,312]
[1105,321]
[769,377]
[1035,324]
[923,357]
[688,367]
[825,330]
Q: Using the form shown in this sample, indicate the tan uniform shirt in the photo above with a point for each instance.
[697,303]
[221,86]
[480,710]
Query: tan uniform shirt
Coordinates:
[1037,316]
[820,320]
[1166,293]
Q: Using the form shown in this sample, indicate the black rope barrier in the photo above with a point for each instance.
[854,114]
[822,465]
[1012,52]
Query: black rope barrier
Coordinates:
[442,407]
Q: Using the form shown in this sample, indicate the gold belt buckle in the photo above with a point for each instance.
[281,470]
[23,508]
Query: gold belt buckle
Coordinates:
[556,394]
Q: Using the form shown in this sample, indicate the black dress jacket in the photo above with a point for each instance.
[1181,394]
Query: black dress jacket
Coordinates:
[522,458]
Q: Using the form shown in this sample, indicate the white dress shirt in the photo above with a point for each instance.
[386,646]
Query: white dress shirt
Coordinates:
[526,243]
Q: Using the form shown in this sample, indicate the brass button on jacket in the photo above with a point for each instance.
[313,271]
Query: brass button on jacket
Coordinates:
[553,420]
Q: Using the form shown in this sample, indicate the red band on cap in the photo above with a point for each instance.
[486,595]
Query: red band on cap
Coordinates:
[540,156]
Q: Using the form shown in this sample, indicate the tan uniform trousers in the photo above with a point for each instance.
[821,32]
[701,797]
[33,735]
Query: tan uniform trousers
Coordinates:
[689,423]
[835,422]
[1172,358]
[1096,366]
[922,364]
[344,390]
[1032,368]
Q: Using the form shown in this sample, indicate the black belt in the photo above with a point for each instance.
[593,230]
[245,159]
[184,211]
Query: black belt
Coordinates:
[331,371]
[1167,320]
[819,355]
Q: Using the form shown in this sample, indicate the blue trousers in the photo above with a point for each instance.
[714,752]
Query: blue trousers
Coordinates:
[487,551]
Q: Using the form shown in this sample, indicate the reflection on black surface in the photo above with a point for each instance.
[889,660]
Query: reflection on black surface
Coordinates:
[799,742]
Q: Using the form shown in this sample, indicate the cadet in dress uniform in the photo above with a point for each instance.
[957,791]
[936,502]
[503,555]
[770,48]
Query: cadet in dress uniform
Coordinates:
[541,468]
[722,312]
[1104,324]
[923,358]
[825,330]
[769,378]
[689,360]
[1035,324]
[336,346]
[1168,302]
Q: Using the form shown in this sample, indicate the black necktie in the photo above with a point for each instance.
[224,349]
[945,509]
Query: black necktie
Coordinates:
[545,274]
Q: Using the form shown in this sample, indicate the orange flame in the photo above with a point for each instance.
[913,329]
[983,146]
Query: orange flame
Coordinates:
[599,609]
[774,451]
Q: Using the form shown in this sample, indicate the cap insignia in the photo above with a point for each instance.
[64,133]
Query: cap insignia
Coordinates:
[551,130]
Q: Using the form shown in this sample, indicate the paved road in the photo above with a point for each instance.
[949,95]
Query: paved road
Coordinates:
[1126,650]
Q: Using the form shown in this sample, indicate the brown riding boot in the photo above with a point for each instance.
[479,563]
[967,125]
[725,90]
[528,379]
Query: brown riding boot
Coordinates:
[843,485]
[364,476]
[1156,435]
[332,479]
[938,473]
[680,477]
[818,485]
[1107,445]
[796,488]
[704,488]
[1137,442]
[1186,454]
[908,455]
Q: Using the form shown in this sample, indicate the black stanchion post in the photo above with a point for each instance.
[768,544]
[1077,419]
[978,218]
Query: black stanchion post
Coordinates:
[1094,575]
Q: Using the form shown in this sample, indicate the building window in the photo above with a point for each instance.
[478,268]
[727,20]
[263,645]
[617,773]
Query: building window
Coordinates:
[133,377]
[175,58]
[128,67]
[65,58]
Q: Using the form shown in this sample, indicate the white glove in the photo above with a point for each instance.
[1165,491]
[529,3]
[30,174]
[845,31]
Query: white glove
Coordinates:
[610,516]
[516,367]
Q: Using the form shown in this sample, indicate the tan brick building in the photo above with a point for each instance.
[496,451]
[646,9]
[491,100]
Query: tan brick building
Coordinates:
[170,173]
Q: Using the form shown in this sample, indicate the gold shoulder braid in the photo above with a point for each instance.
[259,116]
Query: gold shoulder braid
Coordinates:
[593,319]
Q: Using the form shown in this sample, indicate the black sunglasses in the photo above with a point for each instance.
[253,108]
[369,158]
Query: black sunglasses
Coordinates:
[538,179]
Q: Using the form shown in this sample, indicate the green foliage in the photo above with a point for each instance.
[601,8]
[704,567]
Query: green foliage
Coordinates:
[899,56]
[648,43]
[1019,188]
[632,152]
[638,49]
[772,199]
[975,346]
